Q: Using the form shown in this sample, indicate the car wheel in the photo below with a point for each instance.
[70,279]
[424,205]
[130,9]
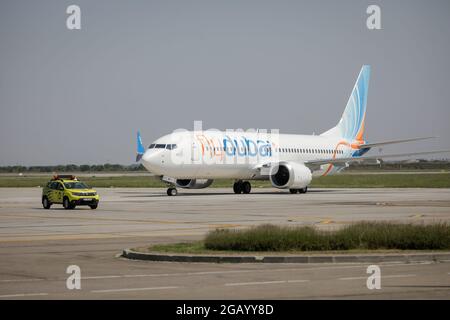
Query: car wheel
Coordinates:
[46,203]
[66,204]
[94,206]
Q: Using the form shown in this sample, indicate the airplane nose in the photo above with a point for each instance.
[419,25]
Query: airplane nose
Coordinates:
[150,160]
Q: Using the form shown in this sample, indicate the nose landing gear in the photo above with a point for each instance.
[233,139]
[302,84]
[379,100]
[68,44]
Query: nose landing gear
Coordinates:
[172,191]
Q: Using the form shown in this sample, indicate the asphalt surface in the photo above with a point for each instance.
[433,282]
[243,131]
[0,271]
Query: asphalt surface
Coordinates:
[37,245]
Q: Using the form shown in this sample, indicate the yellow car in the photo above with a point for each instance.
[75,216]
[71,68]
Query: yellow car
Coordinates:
[69,192]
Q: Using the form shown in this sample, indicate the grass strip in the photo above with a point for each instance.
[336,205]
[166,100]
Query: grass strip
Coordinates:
[438,180]
[360,236]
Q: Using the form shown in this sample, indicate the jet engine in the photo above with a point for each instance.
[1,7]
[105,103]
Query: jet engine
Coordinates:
[290,175]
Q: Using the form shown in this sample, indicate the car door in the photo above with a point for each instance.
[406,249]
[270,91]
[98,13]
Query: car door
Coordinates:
[47,191]
[51,192]
[59,192]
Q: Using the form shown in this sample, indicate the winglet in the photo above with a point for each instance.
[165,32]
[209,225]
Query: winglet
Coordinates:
[140,147]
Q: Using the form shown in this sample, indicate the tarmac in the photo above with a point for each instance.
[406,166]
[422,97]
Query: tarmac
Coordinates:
[38,245]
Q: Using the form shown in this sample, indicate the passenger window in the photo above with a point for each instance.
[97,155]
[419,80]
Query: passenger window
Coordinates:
[59,186]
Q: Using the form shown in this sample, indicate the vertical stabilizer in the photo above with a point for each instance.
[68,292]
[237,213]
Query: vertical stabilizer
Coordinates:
[351,125]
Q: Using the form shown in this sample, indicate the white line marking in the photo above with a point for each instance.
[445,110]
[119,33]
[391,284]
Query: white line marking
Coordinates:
[252,283]
[263,282]
[23,295]
[297,281]
[100,277]
[21,280]
[133,289]
[382,277]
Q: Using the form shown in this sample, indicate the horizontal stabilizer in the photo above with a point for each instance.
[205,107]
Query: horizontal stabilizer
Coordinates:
[376,144]
[369,158]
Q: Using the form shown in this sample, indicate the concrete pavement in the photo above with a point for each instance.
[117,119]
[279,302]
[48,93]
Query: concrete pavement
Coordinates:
[37,245]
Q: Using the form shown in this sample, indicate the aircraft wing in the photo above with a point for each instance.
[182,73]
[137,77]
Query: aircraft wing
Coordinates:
[372,159]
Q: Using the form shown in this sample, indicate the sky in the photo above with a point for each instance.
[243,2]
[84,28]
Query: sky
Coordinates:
[78,96]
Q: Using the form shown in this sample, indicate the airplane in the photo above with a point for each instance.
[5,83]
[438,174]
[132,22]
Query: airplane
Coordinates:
[193,159]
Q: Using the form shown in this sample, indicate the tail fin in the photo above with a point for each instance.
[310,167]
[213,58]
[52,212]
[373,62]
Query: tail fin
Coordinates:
[140,147]
[351,125]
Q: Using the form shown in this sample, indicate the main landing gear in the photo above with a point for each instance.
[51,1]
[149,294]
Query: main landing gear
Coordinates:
[242,187]
[303,190]
[172,191]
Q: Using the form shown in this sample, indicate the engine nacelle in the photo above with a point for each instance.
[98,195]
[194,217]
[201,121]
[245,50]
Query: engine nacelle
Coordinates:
[290,175]
[193,183]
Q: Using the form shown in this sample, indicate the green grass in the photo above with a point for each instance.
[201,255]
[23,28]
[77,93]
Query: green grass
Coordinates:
[434,180]
[438,180]
[190,247]
[359,236]
[199,248]
[95,182]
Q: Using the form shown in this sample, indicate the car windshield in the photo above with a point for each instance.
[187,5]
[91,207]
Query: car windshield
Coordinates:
[75,185]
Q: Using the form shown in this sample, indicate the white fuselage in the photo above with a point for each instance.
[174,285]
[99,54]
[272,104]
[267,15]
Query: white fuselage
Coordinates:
[238,155]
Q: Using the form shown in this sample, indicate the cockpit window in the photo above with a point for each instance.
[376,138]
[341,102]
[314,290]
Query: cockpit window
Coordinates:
[171,146]
[152,146]
[160,146]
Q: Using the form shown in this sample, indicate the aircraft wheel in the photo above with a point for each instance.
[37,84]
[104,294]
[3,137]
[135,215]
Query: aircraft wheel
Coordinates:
[246,187]
[303,190]
[293,191]
[172,192]
[237,187]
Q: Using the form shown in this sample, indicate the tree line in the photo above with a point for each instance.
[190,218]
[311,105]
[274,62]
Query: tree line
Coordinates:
[107,167]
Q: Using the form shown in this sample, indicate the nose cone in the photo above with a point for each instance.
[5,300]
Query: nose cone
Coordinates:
[151,160]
